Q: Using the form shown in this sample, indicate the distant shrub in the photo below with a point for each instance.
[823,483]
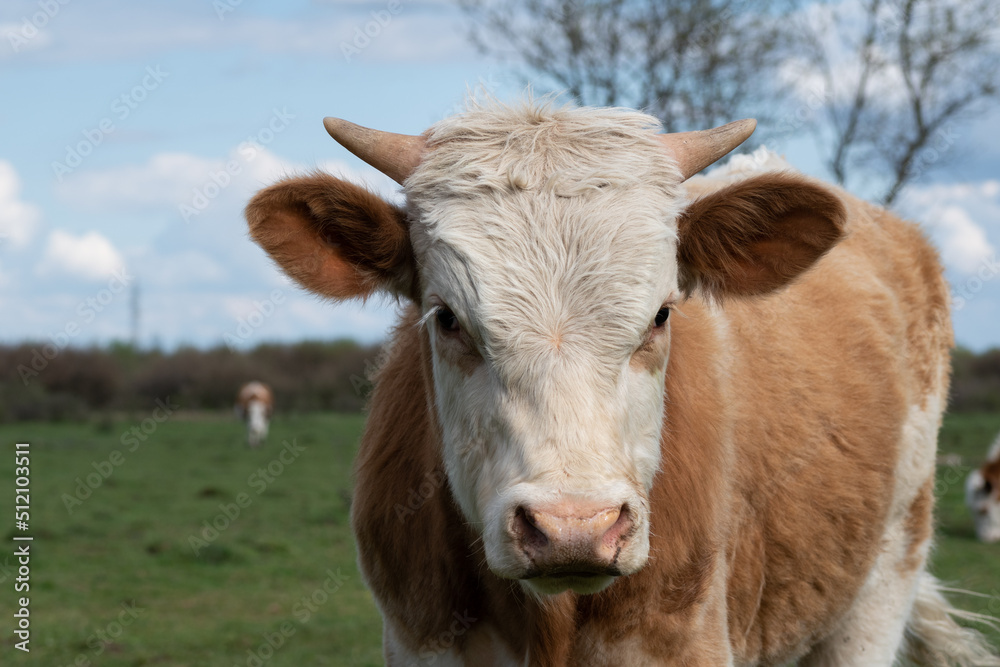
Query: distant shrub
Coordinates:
[74,382]
[975,384]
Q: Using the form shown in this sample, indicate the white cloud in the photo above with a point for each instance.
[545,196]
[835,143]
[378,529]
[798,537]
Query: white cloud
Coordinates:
[175,180]
[965,244]
[21,37]
[962,219]
[419,31]
[91,256]
[165,178]
[184,268]
[18,219]
[183,179]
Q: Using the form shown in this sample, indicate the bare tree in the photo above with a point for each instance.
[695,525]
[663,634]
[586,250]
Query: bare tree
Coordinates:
[897,75]
[691,63]
[893,75]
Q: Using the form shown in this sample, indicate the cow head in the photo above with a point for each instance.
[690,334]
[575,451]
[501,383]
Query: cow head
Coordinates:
[547,250]
[982,495]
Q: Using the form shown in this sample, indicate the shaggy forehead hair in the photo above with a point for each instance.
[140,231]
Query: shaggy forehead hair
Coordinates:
[536,220]
[537,146]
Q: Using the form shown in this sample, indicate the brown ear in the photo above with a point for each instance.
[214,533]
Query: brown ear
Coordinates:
[757,235]
[333,237]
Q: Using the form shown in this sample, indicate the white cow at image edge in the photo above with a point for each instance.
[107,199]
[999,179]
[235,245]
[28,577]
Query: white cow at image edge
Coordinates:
[982,495]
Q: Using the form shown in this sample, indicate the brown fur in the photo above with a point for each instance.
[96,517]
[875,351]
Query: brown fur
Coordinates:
[919,526]
[782,432]
[991,474]
[757,235]
[334,237]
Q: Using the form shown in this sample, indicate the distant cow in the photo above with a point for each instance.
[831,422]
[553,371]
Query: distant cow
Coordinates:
[254,405]
[630,418]
[982,494]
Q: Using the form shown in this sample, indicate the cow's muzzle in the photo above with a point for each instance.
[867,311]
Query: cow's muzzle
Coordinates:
[571,545]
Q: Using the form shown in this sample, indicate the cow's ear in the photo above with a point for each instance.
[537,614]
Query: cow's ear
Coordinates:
[335,238]
[756,236]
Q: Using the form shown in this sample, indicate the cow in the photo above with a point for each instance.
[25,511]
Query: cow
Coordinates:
[982,495]
[254,405]
[630,416]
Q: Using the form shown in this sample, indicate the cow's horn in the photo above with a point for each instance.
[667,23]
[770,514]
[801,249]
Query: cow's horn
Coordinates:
[696,150]
[395,155]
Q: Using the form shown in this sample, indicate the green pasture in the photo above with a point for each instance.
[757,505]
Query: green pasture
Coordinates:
[131,542]
[116,580]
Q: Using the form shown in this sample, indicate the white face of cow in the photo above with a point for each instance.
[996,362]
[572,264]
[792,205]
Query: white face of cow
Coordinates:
[547,277]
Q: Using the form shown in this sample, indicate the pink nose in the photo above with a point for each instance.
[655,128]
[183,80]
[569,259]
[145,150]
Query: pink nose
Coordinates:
[566,540]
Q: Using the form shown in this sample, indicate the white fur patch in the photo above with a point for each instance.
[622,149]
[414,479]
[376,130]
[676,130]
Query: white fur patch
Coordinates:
[917,456]
[745,165]
[872,631]
[257,424]
[551,234]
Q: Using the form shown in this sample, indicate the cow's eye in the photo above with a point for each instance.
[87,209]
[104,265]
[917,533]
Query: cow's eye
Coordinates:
[987,487]
[661,317]
[447,320]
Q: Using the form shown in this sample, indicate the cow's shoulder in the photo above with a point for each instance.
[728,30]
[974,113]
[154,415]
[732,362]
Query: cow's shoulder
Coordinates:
[864,332]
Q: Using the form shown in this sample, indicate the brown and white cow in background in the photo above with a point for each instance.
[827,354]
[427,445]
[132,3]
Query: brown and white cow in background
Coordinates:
[682,422]
[254,405]
[982,494]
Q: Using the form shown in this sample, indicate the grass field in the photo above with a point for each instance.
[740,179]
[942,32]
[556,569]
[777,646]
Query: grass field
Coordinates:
[115,579]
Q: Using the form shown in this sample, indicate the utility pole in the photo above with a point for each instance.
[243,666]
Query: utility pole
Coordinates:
[134,313]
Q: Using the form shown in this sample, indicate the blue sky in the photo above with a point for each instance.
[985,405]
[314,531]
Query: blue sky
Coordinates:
[134,133]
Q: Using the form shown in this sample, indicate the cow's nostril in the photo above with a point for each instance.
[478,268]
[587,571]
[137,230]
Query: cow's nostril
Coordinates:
[526,532]
[620,530]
